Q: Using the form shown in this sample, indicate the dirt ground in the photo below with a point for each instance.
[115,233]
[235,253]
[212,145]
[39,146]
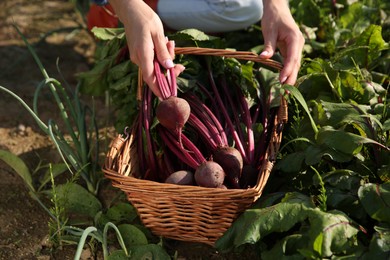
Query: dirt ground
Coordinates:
[53,28]
[23,223]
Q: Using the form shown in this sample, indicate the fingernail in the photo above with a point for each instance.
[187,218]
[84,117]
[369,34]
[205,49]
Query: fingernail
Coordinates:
[283,80]
[166,39]
[168,63]
[173,43]
[264,53]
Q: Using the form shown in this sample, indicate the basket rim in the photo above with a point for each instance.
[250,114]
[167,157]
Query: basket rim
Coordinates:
[147,185]
[242,55]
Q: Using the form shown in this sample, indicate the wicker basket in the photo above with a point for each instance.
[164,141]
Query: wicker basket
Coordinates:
[190,213]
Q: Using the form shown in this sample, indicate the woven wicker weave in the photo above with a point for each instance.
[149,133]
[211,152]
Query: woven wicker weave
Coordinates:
[190,213]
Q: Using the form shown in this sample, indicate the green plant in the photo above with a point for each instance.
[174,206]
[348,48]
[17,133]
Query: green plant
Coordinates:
[56,225]
[329,192]
[81,153]
[35,181]
[132,240]
[41,185]
[330,25]
[73,219]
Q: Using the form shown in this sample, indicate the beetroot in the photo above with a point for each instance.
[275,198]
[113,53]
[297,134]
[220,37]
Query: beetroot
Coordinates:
[231,161]
[173,113]
[181,177]
[209,174]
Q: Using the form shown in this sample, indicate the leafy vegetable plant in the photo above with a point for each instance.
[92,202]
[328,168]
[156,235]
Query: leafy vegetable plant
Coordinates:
[335,153]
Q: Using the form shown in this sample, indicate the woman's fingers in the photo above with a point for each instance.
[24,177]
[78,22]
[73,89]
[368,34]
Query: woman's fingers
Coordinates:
[292,63]
[178,69]
[280,31]
[146,63]
[164,50]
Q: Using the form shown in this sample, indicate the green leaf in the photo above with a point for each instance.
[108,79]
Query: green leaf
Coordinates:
[255,224]
[314,154]
[317,245]
[372,37]
[384,172]
[386,125]
[118,255]
[122,83]
[94,82]
[379,247]
[375,199]
[340,140]
[69,195]
[291,162]
[287,248]
[298,96]
[332,233]
[341,191]
[366,49]
[342,178]
[192,34]
[120,70]
[87,232]
[352,89]
[306,7]
[269,80]
[343,141]
[348,19]
[121,212]
[18,166]
[338,114]
[132,236]
[268,200]
[106,34]
[149,252]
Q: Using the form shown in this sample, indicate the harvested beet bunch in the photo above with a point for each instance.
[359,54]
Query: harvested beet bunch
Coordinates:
[216,128]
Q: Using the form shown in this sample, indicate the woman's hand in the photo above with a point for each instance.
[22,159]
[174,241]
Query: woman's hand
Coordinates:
[145,39]
[280,31]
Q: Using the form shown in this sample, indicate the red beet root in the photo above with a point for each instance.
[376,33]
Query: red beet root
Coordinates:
[231,161]
[181,178]
[173,113]
[209,174]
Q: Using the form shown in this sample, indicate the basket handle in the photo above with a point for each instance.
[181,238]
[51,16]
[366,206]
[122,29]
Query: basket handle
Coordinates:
[243,55]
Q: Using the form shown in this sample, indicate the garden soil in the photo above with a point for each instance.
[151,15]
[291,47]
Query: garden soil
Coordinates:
[56,33]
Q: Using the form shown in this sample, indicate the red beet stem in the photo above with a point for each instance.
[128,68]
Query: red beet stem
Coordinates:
[187,153]
[161,81]
[227,118]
